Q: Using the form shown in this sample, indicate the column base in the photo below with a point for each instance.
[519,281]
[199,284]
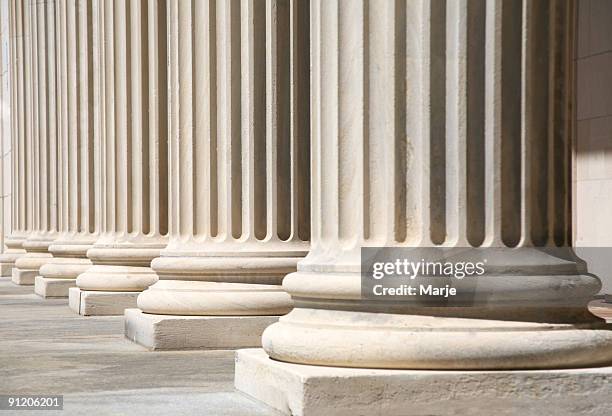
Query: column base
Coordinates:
[27,267]
[100,303]
[171,332]
[52,288]
[23,277]
[304,390]
[7,262]
[6,269]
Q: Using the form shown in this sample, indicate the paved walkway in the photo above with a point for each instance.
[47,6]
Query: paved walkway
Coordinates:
[47,349]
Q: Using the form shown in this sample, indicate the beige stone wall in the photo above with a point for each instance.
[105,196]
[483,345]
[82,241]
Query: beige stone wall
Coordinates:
[593,170]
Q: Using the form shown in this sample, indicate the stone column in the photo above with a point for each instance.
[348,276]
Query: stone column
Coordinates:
[19,208]
[73,99]
[134,184]
[42,142]
[434,124]
[239,155]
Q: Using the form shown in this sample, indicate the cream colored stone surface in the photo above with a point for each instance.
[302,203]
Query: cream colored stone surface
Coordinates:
[307,390]
[164,332]
[47,287]
[239,203]
[130,96]
[100,303]
[74,120]
[405,160]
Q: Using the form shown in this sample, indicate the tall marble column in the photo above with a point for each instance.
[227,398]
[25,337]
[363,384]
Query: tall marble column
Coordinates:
[72,115]
[434,124]
[134,158]
[19,207]
[41,160]
[239,177]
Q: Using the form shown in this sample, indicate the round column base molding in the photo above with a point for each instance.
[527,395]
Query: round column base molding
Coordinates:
[125,255]
[389,341]
[15,242]
[64,267]
[193,298]
[11,255]
[32,260]
[72,245]
[234,269]
[37,245]
[116,278]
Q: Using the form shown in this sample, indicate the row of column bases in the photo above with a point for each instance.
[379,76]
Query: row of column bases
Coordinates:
[211,170]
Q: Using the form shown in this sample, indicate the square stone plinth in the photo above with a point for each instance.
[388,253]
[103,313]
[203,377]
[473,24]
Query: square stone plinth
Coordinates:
[170,332]
[53,288]
[304,390]
[97,303]
[24,277]
[6,269]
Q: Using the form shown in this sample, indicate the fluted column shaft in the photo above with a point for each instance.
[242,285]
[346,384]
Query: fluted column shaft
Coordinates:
[19,207]
[441,124]
[78,147]
[133,186]
[239,152]
[42,141]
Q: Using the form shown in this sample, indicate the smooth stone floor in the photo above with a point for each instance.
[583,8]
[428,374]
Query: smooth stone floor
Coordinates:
[45,348]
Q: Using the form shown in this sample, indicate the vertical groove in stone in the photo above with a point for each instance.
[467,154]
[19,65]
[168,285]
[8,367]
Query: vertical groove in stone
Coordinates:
[176,198]
[316,120]
[147,173]
[122,142]
[24,125]
[200,11]
[53,114]
[214,120]
[13,59]
[511,123]
[110,190]
[35,113]
[234,118]
[159,54]
[475,129]
[27,117]
[400,116]
[135,160]
[62,105]
[281,110]
[568,27]
[85,117]
[300,112]
[561,55]
[437,123]
[536,122]
[18,191]
[74,214]
[255,85]
[98,113]
[44,187]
